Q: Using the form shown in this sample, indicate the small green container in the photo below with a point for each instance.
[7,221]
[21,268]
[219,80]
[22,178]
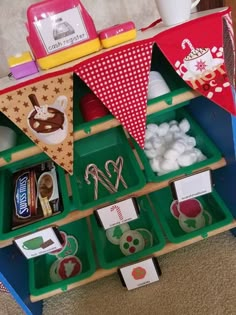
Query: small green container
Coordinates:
[203,142]
[110,255]
[211,203]
[39,267]
[22,141]
[7,198]
[98,149]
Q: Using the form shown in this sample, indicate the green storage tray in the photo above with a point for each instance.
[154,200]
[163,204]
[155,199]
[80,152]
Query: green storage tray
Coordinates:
[110,255]
[203,142]
[97,149]
[39,267]
[176,84]
[212,203]
[7,200]
[22,141]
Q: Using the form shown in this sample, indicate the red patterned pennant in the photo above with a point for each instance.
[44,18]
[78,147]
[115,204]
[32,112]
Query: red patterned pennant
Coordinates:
[200,57]
[120,79]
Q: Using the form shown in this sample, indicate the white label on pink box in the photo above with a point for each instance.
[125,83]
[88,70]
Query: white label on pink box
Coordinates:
[38,243]
[193,186]
[118,213]
[62,30]
[139,274]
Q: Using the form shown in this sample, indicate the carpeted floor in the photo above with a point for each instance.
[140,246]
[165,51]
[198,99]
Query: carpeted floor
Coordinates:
[197,280]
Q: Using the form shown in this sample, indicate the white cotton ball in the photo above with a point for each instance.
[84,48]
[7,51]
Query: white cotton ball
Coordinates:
[173,122]
[178,135]
[187,158]
[168,138]
[163,129]
[169,165]
[148,134]
[184,125]
[171,154]
[190,143]
[174,128]
[153,128]
[148,145]
[150,154]
[179,145]
[155,164]
[157,142]
[199,154]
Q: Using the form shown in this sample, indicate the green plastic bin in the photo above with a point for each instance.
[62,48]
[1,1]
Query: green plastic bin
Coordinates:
[212,203]
[110,255]
[7,198]
[39,267]
[22,141]
[97,149]
[203,142]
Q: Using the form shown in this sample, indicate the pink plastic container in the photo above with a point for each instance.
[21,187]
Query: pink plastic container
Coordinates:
[56,28]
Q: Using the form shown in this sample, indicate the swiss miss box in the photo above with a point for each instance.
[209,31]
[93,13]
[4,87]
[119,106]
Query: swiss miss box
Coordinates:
[60,31]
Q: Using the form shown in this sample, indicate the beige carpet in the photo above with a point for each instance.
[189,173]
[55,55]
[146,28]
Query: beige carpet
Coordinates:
[197,280]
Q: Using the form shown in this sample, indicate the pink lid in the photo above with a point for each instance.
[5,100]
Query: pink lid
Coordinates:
[116,30]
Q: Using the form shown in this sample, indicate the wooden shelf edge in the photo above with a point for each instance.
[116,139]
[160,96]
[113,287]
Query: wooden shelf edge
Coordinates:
[102,273]
[149,188]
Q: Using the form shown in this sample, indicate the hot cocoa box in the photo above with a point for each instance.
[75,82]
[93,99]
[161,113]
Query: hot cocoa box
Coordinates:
[16,180]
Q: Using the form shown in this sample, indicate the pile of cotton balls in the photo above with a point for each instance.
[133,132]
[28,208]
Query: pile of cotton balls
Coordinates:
[168,147]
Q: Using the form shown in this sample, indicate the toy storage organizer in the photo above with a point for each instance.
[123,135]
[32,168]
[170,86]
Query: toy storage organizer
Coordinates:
[105,139]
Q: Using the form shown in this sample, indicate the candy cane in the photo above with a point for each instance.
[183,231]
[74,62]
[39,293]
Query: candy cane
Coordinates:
[119,213]
[118,166]
[187,41]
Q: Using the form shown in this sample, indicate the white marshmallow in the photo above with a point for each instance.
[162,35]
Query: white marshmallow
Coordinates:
[163,129]
[199,154]
[187,158]
[190,143]
[148,134]
[174,128]
[169,165]
[171,154]
[179,145]
[168,138]
[150,154]
[153,128]
[184,125]
[173,122]
[155,164]
[148,145]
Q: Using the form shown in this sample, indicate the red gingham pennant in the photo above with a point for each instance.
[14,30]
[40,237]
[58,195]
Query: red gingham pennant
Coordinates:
[120,79]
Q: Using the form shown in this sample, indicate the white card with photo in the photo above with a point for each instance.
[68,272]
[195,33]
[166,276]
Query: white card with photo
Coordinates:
[118,213]
[38,243]
[193,186]
[139,274]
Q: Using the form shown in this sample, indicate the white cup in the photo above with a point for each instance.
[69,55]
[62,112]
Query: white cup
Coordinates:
[7,138]
[157,86]
[175,12]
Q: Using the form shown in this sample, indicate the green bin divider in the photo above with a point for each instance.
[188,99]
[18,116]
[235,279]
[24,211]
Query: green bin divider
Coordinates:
[22,141]
[110,255]
[203,142]
[97,149]
[7,198]
[212,203]
[39,267]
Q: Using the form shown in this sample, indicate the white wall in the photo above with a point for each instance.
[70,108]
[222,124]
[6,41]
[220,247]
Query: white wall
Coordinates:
[104,13]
